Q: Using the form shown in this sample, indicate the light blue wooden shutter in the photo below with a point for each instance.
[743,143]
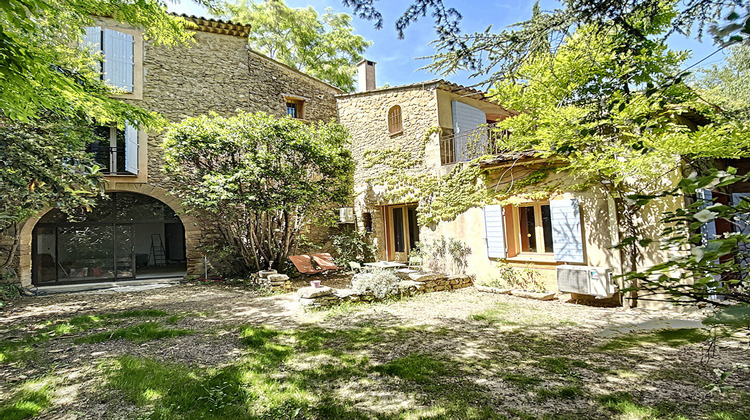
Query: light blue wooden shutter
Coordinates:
[118,59]
[708,230]
[466,118]
[567,236]
[131,149]
[742,225]
[493,225]
[92,40]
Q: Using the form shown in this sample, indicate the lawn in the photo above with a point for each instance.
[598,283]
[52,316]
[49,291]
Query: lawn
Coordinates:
[195,351]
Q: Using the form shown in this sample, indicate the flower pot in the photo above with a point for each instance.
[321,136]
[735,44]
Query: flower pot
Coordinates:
[315,283]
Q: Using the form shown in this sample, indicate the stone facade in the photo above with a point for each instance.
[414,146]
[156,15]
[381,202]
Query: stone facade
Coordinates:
[411,285]
[217,72]
[365,115]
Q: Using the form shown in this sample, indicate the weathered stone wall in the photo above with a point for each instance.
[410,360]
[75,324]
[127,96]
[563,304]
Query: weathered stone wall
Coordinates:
[412,284]
[365,114]
[215,73]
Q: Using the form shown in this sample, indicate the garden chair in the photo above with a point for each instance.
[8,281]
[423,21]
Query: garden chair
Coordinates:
[304,264]
[415,266]
[325,261]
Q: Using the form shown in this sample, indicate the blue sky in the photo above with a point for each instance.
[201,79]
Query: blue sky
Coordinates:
[397,58]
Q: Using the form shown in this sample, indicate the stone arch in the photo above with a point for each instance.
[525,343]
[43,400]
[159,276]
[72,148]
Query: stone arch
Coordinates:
[191,224]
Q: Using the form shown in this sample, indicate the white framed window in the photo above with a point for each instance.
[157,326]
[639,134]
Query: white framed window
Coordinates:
[116,149]
[118,51]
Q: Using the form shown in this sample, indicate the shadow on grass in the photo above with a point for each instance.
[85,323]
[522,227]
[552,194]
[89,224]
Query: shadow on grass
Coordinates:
[136,333]
[671,338]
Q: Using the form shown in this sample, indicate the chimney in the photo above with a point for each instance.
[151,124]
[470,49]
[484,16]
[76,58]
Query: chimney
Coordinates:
[366,75]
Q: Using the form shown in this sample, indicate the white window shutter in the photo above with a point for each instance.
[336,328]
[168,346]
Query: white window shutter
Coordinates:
[465,119]
[131,149]
[118,59]
[495,231]
[92,40]
[708,230]
[567,234]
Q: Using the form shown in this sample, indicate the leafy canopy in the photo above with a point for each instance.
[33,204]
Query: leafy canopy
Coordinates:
[321,46]
[263,179]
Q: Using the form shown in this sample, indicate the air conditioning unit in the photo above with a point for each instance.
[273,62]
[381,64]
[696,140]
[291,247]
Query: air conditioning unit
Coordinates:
[594,281]
[346,215]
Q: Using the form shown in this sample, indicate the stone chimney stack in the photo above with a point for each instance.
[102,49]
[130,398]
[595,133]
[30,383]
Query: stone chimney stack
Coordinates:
[366,75]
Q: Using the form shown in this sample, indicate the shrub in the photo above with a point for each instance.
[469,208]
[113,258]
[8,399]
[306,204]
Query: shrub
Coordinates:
[352,245]
[381,283]
[509,277]
[445,255]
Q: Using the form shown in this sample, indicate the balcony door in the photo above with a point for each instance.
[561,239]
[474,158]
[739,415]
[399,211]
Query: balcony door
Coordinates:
[402,231]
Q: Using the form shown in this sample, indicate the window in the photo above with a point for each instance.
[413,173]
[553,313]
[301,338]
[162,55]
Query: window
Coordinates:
[117,49]
[534,227]
[294,108]
[394,120]
[540,231]
[115,149]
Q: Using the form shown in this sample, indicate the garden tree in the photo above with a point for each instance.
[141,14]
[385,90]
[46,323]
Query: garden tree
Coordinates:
[727,85]
[49,93]
[263,179]
[591,107]
[321,46]
[492,56]
[594,107]
[708,269]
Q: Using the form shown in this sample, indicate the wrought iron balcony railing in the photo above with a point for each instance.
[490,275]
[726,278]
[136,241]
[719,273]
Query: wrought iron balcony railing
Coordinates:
[484,140]
[111,159]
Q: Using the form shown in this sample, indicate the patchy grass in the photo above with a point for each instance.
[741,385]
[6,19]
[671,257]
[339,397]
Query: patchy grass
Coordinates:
[672,338]
[447,362]
[31,398]
[136,333]
[419,368]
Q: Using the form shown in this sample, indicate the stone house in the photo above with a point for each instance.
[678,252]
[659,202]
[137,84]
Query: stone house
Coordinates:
[442,125]
[143,232]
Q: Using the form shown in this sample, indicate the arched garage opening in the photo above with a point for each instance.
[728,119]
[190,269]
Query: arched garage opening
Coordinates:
[125,237]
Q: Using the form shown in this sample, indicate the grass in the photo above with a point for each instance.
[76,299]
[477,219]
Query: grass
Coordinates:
[672,338]
[372,367]
[32,397]
[136,333]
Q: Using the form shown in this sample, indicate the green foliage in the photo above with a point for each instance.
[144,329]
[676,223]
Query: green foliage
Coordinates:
[440,197]
[352,245]
[49,167]
[262,178]
[727,85]
[380,282]
[321,46]
[702,269]
[443,255]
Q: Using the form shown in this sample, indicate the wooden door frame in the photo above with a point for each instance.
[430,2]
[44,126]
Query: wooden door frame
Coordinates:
[390,252]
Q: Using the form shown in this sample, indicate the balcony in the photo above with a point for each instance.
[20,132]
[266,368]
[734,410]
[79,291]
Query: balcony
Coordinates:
[111,159]
[484,140]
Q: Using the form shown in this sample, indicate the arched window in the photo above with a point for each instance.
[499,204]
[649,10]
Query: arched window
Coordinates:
[394,120]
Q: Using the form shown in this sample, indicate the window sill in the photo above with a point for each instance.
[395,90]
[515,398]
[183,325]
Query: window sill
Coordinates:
[533,257]
[396,133]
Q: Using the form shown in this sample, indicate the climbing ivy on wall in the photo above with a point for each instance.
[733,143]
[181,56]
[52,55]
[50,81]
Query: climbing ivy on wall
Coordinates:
[404,178]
